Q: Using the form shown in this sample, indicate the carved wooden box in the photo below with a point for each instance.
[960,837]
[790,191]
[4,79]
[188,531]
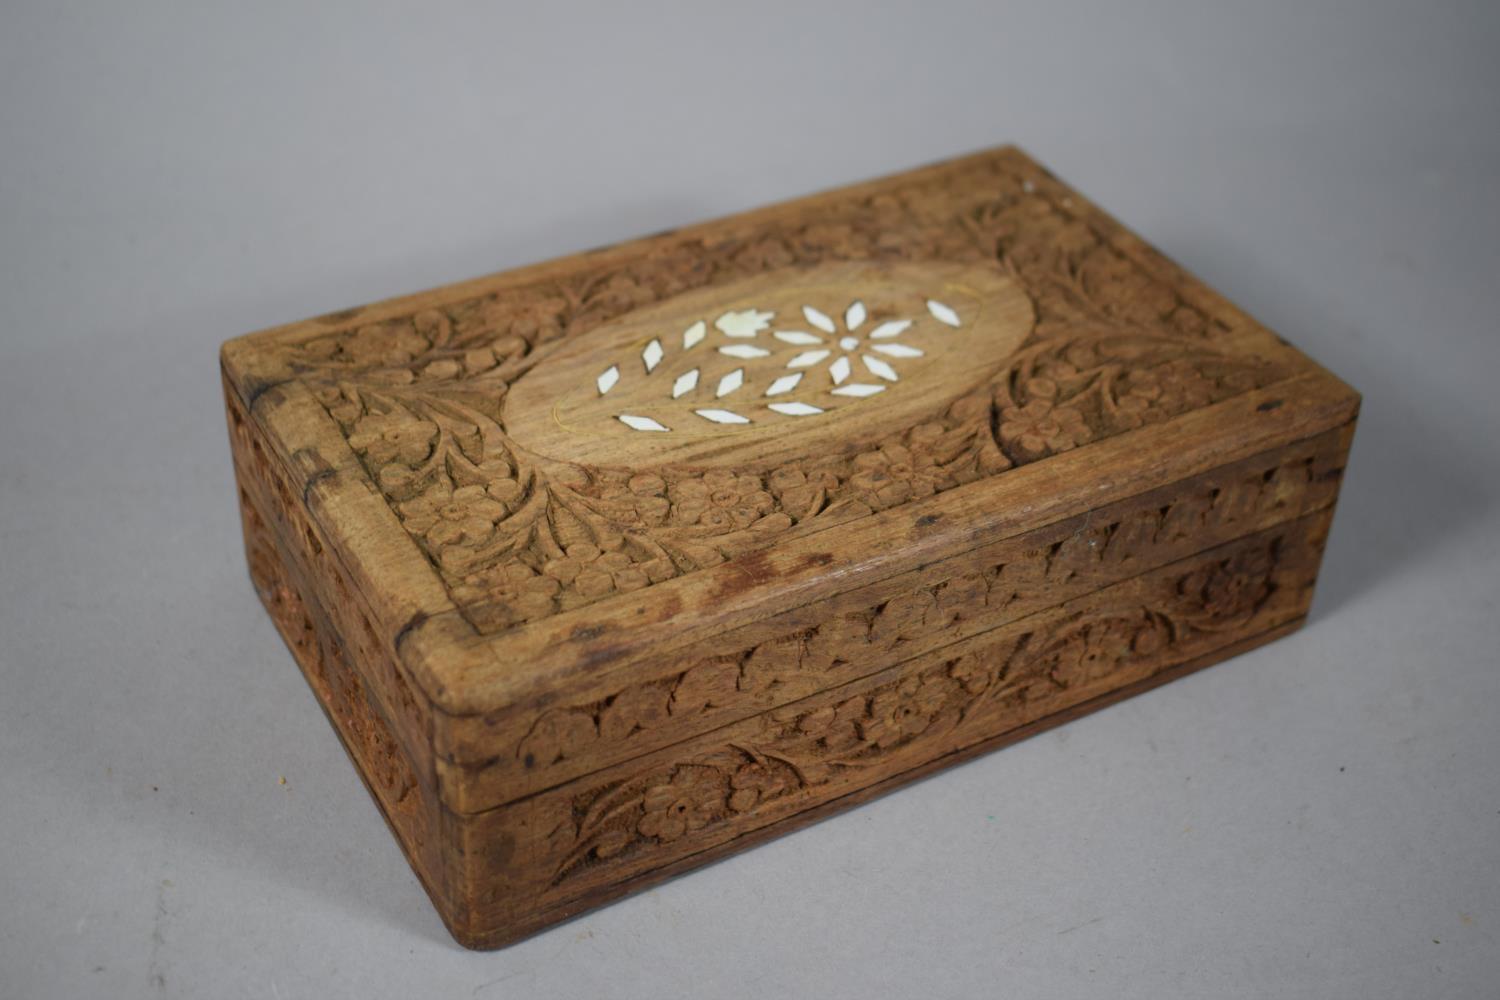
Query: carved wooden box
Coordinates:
[607,567]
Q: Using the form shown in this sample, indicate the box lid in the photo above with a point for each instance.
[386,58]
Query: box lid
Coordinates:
[562,468]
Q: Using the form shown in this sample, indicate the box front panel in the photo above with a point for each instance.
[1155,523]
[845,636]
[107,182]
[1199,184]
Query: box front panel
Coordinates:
[595,837]
[669,698]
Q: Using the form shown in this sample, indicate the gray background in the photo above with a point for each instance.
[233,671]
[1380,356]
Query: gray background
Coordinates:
[1319,818]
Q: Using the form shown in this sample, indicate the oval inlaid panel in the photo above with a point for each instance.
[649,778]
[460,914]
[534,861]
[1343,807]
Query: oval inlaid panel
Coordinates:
[771,366]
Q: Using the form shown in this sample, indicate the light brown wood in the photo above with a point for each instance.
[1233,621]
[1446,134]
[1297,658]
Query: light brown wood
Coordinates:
[605,567]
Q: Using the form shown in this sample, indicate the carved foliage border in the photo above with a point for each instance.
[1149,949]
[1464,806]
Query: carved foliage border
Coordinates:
[800,755]
[515,537]
[850,643]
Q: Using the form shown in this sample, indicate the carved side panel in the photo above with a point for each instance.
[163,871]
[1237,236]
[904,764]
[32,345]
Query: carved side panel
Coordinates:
[677,694]
[535,860]
[273,493]
[383,726]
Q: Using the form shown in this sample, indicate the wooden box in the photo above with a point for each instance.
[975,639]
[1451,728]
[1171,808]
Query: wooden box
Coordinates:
[606,567]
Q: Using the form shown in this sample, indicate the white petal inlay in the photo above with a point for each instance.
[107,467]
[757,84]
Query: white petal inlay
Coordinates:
[839,369]
[807,358]
[784,384]
[880,368]
[686,383]
[858,389]
[890,328]
[795,409]
[854,315]
[744,323]
[744,351]
[730,382]
[942,313]
[641,423]
[820,339]
[722,416]
[818,319]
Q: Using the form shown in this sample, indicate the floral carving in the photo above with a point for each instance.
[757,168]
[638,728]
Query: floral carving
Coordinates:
[689,800]
[904,711]
[806,659]
[419,397]
[1041,426]
[798,751]
[754,783]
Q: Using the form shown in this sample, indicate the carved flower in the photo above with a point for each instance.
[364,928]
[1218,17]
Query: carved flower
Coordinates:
[1231,588]
[834,726]
[394,343]
[764,254]
[756,782]
[534,322]
[517,592]
[642,495]
[901,712]
[893,475]
[690,801]
[1154,394]
[721,501]
[466,516]
[593,572]
[1041,427]
[1092,652]
[620,294]
[397,436]
[802,493]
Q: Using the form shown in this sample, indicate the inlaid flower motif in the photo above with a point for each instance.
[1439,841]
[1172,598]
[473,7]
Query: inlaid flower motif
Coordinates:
[852,353]
[690,800]
[859,363]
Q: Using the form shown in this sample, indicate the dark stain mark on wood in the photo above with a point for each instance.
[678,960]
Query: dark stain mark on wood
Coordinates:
[413,623]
